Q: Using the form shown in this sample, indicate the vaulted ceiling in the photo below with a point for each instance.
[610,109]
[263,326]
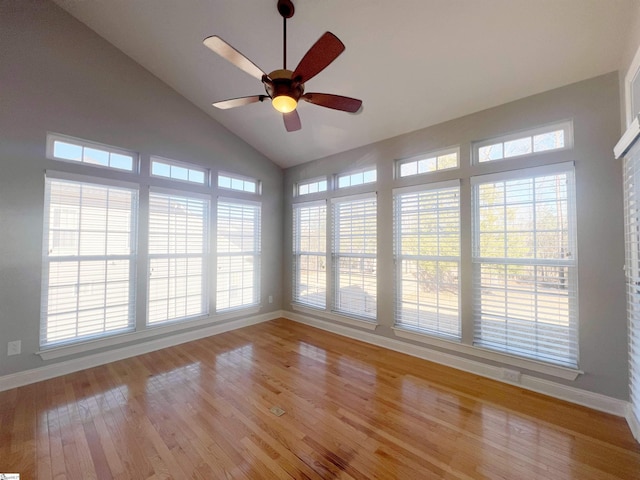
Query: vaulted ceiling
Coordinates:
[414,63]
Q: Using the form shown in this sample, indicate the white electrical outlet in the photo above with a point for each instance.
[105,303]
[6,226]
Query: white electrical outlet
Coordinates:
[511,375]
[14,348]
[270,298]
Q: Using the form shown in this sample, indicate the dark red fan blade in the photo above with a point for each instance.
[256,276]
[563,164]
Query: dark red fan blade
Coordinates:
[239,102]
[232,55]
[337,102]
[292,121]
[319,56]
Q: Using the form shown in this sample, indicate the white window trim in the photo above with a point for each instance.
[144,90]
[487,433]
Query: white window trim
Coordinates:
[429,187]
[148,332]
[634,69]
[538,171]
[236,176]
[314,203]
[512,360]
[105,182]
[337,176]
[423,156]
[53,137]
[258,254]
[189,166]
[566,125]
[206,259]
[336,316]
[331,270]
[296,187]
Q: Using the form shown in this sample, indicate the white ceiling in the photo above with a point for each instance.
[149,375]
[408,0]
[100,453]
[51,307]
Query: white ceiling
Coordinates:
[414,63]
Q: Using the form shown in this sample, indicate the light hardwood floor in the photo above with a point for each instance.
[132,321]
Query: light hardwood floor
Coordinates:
[201,410]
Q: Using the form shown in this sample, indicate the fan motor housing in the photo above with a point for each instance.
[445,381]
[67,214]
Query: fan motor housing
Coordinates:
[282,84]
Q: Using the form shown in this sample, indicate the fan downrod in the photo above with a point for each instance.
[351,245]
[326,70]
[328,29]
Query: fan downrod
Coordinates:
[285,7]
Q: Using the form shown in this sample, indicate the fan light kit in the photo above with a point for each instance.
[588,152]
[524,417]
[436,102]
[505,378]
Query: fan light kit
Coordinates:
[284,87]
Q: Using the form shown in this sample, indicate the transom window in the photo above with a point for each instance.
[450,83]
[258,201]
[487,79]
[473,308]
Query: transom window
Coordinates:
[361,177]
[430,162]
[544,139]
[240,184]
[70,149]
[312,186]
[178,171]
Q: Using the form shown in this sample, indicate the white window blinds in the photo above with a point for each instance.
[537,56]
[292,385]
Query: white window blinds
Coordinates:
[427,246]
[88,260]
[354,255]
[178,256]
[238,254]
[632,269]
[310,254]
[524,254]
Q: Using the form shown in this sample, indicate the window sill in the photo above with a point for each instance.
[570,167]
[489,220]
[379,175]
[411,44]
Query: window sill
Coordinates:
[148,332]
[353,321]
[540,367]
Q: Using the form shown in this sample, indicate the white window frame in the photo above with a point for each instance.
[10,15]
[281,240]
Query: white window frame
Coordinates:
[425,156]
[299,252]
[203,255]
[424,310]
[319,181]
[187,166]
[57,137]
[242,178]
[255,252]
[351,174]
[368,313]
[566,126]
[571,264]
[47,260]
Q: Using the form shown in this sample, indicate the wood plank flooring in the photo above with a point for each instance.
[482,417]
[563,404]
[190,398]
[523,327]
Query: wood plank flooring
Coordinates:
[353,411]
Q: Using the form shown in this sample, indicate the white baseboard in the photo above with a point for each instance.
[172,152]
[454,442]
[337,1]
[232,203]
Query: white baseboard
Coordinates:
[585,398]
[634,423]
[69,366]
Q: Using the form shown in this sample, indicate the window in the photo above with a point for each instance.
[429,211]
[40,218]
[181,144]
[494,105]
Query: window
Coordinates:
[238,234]
[354,255]
[309,254]
[74,150]
[442,160]
[178,256]
[524,250]
[427,245]
[178,171]
[89,259]
[544,139]
[357,178]
[240,184]
[313,186]
[632,270]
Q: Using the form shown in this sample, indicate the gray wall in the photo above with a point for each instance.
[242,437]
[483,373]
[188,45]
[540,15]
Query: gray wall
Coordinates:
[594,107]
[57,75]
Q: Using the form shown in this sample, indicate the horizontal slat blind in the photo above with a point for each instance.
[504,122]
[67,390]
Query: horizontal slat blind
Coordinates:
[88,260]
[524,253]
[178,256]
[238,254]
[632,269]
[354,256]
[427,245]
[310,254]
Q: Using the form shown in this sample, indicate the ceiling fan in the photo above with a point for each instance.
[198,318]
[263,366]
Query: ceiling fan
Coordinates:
[285,87]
